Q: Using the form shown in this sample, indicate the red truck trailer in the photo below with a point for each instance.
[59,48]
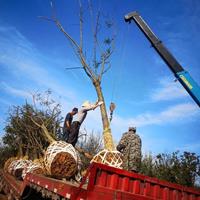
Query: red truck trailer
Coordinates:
[101,182]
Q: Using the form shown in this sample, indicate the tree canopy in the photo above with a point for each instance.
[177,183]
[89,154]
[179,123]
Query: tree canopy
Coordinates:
[26,126]
[178,168]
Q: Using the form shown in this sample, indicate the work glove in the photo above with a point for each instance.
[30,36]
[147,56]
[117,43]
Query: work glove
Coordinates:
[100,103]
[120,147]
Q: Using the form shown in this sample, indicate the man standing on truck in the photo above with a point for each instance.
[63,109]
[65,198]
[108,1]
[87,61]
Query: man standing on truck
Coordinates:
[130,146]
[68,122]
[74,131]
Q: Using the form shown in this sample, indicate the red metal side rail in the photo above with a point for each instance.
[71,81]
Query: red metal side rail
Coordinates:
[10,185]
[111,183]
[58,187]
[104,183]
[48,187]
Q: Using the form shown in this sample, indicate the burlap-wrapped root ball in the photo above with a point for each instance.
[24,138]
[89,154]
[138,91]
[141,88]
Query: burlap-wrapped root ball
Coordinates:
[17,166]
[35,168]
[107,157]
[61,160]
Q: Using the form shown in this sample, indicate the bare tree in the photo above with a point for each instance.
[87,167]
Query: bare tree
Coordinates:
[99,64]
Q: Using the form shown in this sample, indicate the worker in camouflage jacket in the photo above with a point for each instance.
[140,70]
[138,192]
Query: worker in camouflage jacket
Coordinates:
[130,146]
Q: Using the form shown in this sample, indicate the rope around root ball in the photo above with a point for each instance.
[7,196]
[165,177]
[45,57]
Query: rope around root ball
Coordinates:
[61,159]
[110,158]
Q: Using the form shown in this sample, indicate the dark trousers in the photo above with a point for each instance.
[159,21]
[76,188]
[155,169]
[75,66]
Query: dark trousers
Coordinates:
[66,133]
[73,135]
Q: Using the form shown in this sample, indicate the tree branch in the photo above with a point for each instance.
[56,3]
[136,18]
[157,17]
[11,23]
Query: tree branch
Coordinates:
[107,69]
[45,131]
[105,57]
[86,68]
[81,25]
[78,49]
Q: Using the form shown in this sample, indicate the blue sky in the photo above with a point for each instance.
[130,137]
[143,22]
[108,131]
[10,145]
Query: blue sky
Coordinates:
[34,55]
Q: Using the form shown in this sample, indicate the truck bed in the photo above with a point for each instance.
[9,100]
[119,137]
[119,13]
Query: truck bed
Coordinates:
[104,183]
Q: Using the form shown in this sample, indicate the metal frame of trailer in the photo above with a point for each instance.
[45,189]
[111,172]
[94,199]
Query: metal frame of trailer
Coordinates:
[101,182]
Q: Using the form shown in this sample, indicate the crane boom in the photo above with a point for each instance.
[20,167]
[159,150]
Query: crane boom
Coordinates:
[182,75]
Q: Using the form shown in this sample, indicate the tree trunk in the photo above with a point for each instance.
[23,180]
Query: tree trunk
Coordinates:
[20,151]
[47,134]
[107,135]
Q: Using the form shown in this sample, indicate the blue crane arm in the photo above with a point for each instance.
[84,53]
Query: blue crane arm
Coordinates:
[183,76]
[190,85]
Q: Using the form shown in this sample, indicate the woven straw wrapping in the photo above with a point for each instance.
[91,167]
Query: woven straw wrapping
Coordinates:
[11,166]
[16,167]
[111,158]
[61,159]
[35,168]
